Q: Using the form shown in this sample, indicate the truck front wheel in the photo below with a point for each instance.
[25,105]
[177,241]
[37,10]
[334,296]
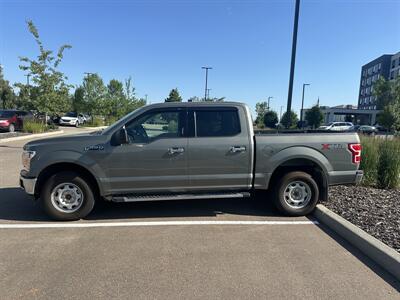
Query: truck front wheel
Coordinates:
[296,194]
[67,196]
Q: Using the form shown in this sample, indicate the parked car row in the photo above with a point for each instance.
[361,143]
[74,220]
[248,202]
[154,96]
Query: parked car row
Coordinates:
[12,120]
[350,127]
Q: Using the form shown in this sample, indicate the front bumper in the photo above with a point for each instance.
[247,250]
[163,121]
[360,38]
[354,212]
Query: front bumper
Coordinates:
[72,122]
[28,184]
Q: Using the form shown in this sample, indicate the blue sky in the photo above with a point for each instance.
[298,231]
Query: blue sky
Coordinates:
[163,44]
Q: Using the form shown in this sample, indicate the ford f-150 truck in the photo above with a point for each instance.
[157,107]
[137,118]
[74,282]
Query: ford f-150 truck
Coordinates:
[172,151]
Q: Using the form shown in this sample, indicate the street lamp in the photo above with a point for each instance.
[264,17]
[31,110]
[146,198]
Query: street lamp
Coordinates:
[205,89]
[302,105]
[269,98]
[293,58]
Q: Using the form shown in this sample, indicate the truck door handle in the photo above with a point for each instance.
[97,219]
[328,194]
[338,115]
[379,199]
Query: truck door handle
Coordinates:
[174,150]
[235,149]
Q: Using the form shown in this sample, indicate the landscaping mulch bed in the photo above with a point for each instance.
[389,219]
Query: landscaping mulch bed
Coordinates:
[375,211]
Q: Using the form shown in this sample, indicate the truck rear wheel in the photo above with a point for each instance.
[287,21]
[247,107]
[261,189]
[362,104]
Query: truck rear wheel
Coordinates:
[67,196]
[296,194]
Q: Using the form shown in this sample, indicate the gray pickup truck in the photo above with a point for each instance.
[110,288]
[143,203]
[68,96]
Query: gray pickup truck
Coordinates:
[174,151]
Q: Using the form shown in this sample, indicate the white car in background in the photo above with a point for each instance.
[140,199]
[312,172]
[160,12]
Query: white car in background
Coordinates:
[72,119]
[337,126]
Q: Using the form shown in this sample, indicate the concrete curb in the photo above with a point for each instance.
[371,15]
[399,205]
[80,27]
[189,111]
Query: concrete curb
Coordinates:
[383,255]
[93,128]
[29,136]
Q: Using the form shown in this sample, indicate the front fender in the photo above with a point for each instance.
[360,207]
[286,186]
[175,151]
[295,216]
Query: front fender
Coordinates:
[67,156]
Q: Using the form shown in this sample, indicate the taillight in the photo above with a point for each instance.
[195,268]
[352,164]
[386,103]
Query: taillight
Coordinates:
[355,150]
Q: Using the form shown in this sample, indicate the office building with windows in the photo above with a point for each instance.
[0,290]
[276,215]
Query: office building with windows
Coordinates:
[394,66]
[388,66]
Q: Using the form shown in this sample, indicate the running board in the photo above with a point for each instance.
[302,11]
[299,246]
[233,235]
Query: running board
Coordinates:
[140,198]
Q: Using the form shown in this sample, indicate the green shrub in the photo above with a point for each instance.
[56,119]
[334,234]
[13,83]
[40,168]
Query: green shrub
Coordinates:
[33,126]
[369,159]
[388,170]
[110,120]
[95,122]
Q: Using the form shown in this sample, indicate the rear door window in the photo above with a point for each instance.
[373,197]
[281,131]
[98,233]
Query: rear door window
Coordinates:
[217,123]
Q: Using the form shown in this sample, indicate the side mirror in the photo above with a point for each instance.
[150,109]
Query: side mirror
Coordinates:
[120,137]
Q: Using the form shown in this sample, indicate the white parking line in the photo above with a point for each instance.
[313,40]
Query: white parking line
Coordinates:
[148,223]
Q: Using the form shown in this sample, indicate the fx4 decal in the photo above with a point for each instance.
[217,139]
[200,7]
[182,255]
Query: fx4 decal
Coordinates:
[332,146]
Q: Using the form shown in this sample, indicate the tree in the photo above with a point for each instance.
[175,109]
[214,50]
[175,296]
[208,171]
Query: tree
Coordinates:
[289,120]
[51,90]
[383,91]
[314,116]
[261,110]
[270,119]
[94,95]
[78,100]
[7,96]
[174,96]
[132,102]
[116,101]
[388,97]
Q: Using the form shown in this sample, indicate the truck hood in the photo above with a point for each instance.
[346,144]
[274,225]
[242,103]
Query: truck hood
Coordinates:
[77,143]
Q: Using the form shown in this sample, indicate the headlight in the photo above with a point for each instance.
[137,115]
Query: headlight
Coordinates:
[26,159]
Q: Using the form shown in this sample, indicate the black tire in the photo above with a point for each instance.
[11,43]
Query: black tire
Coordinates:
[86,205]
[77,124]
[303,181]
[11,128]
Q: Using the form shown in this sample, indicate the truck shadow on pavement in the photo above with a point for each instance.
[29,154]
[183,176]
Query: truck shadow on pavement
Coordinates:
[18,206]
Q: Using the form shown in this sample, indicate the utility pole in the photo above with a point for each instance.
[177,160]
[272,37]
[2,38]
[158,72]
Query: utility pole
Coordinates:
[280,114]
[302,105]
[208,93]
[269,98]
[293,59]
[205,89]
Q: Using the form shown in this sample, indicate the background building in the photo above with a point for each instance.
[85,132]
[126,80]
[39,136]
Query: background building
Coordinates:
[388,66]
[347,113]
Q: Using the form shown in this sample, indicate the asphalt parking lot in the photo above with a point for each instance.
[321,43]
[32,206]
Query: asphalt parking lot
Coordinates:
[170,250]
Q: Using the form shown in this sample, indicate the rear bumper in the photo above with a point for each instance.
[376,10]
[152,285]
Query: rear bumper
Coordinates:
[345,177]
[28,184]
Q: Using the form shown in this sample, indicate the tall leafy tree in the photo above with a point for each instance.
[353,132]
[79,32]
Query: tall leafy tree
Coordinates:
[261,110]
[7,96]
[78,100]
[383,91]
[388,97]
[289,120]
[94,95]
[314,117]
[49,83]
[174,96]
[132,102]
[270,119]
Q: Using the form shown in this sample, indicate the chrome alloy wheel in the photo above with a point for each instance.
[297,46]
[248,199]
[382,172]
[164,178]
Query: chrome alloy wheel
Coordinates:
[67,197]
[297,194]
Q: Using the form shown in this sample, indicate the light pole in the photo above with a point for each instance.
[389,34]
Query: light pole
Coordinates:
[280,114]
[208,93]
[88,74]
[302,104]
[269,98]
[205,89]
[293,59]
